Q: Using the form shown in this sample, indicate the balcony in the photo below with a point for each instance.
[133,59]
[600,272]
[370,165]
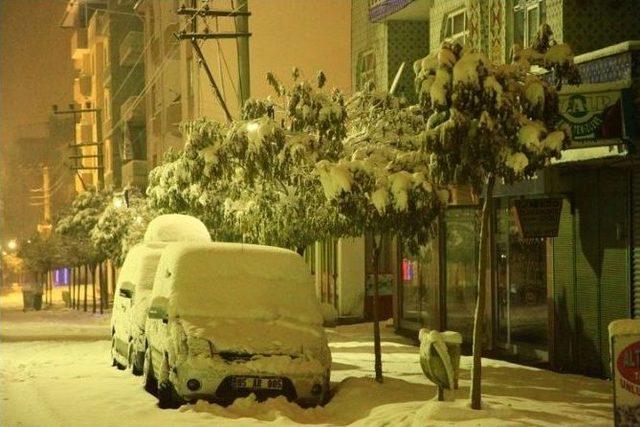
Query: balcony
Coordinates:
[402,10]
[134,115]
[131,48]
[81,87]
[79,43]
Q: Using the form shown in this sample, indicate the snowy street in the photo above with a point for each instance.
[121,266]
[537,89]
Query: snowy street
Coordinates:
[55,372]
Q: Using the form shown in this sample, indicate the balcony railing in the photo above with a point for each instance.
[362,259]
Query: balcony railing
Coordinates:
[131,48]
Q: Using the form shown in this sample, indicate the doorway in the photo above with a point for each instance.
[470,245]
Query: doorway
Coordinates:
[521,315]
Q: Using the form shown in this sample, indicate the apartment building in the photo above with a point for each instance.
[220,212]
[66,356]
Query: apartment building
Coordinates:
[106,47]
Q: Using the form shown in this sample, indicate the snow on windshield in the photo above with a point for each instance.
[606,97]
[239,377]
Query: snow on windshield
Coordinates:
[236,281]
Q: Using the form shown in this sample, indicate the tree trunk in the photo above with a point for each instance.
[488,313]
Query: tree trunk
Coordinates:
[69,289]
[76,288]
[101,276]
[86,285]
[475,393]
[376,323]
[93,287]
[113,283]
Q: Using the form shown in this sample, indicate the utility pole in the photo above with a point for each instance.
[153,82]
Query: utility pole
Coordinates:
[242,46]
[78,158]
[241,15]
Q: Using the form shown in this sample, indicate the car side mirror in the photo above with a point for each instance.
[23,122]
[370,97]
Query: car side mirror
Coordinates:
[126,290]
[158,309]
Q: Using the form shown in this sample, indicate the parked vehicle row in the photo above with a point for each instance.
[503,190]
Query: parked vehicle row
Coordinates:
[217,321]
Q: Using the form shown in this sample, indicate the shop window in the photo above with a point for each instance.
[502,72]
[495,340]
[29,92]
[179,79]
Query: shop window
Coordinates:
[455,29]
[526,21]
[366,70]
[419,283]
[461,263]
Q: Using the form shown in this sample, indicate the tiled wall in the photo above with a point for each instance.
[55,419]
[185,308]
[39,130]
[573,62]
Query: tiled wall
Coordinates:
[367,36]
[408,41]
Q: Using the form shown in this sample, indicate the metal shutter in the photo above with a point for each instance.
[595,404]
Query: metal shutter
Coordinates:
[635,240]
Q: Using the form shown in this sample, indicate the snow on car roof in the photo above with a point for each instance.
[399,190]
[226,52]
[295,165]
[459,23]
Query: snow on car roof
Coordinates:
[235,280]
[176,228]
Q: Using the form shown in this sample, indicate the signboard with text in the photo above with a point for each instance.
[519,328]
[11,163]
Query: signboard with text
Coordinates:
[595,118]
[625,361]
[538,217]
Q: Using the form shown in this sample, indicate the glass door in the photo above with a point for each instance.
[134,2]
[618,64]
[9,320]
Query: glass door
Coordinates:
[521,289]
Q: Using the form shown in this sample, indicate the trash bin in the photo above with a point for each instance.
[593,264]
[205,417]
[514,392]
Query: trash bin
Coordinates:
[27,299]
[440,359]
[37,301]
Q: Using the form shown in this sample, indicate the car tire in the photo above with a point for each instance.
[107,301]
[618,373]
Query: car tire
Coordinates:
[114,361]
[134,361]
[168,398]
[150,381]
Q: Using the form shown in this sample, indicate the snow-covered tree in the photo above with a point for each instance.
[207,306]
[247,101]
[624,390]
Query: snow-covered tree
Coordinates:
[75,227]
[40,254]
[121,226]
[379,184]
[488,122]
[252,180]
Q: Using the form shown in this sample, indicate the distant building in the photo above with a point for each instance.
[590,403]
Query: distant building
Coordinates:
[551,298]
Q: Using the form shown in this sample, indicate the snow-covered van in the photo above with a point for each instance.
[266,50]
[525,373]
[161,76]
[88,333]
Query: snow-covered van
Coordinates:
[230,319]
[135,281]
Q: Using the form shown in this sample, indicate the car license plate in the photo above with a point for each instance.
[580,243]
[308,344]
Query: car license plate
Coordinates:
[257,383]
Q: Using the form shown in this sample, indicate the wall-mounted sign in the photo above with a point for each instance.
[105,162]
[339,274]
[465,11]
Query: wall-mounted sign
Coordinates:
[538,217]
[624,337]
[596,117]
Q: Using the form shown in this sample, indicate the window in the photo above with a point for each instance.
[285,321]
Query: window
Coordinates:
[455,29]
[526,21]
[385,263]
[366,70]
[419,283]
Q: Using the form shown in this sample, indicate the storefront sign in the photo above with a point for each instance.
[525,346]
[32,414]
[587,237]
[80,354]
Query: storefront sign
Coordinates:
[538,217]
[624,337]
[595,117]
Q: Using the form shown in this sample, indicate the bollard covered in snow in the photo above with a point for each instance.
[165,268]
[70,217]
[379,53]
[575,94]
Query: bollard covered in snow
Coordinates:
[440,359]
[624,338]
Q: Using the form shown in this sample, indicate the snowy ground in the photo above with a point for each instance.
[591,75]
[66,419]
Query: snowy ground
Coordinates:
[55,372]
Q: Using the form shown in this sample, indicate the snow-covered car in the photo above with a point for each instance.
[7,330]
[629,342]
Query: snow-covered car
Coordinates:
[135,281]
[230,319]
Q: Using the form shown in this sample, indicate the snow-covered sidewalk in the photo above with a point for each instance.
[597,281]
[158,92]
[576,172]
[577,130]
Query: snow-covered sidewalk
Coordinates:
[63,378]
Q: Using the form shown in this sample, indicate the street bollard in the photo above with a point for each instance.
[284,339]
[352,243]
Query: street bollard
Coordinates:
[440,360]
[624,339]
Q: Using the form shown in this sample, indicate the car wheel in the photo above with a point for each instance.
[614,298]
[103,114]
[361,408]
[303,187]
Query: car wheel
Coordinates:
[168,398]
[150,381]
[114,361]
[137,363]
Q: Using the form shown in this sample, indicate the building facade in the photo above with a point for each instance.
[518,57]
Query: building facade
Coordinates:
[553,291]
[106,47]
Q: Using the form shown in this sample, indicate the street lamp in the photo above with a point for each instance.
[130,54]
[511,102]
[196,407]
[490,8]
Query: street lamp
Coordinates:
[12,245]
